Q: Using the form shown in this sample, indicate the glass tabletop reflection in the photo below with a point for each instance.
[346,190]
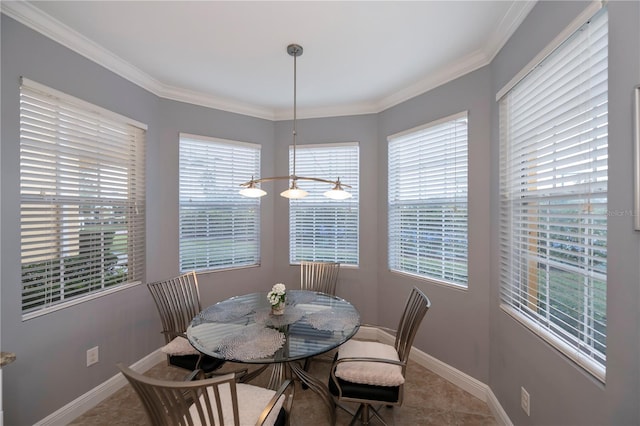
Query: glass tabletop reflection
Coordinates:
[243,328]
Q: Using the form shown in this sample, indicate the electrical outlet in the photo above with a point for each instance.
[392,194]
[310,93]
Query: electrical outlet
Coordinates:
[525,401]
[93,355]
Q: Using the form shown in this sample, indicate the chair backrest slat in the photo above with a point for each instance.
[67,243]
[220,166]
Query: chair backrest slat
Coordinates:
[319,276]
[415,309]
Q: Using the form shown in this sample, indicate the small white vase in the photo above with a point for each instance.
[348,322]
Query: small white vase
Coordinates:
[277,309]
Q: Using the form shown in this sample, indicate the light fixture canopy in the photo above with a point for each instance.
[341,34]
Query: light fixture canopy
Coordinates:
[251,189]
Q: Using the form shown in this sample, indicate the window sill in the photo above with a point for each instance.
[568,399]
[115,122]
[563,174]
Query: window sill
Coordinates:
[443,283]
[77,301]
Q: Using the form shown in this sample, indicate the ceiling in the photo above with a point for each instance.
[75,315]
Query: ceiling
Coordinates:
[359,57]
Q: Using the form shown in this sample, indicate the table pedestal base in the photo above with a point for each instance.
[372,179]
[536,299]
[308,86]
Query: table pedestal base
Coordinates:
[316,386]
[282,371]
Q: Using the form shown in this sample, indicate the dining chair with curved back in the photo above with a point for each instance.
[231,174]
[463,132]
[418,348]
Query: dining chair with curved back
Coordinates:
[319,276]
[369,373]
[178,302]
[218,401]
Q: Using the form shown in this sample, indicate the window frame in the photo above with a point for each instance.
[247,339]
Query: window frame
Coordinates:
[82,195]
[428,136]
[348,170]
[238,162]
[527,286]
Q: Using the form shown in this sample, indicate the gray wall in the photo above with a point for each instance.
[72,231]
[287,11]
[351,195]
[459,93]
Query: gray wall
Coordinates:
[50,369]
[561,393]
[175,118]
[357,284]
[456,328]
[465,328]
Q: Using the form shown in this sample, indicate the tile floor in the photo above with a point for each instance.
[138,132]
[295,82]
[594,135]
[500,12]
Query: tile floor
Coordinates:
[429,400]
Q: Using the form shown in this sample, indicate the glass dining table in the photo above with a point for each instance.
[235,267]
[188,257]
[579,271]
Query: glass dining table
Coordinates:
[243,329]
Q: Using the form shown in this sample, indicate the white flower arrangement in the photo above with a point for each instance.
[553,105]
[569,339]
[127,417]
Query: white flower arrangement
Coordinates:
[277,294]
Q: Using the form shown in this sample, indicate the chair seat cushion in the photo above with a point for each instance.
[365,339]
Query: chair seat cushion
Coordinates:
[252,400]
[179,346]
[369,373]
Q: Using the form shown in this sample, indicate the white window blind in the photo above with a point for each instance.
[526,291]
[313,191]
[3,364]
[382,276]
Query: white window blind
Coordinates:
[322,229]
[428,200]
[219,228]
[553,197]
[82,199]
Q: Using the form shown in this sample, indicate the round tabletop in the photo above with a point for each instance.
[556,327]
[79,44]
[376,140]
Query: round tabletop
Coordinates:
[243,328]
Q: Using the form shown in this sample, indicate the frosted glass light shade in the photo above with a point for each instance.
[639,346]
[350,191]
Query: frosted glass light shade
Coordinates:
[337,194]
[294,193]
[253,192]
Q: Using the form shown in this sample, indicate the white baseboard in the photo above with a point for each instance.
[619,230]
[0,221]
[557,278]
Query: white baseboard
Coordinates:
[80,405]
[84,403]
[452,375]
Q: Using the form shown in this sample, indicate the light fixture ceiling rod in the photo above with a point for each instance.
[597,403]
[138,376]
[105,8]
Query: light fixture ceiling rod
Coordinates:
[294,50]
[250,188]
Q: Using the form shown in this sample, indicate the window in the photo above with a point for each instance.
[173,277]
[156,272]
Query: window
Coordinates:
[322,229]
[219,228]
[428,201]
[82,199]
[553,197]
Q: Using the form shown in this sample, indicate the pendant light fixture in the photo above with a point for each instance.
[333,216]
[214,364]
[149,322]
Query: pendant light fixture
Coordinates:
[251,189]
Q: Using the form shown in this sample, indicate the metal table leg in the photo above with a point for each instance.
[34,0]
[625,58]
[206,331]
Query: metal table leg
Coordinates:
[317,386]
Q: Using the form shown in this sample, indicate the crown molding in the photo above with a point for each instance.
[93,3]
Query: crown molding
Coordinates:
[34,18]
[481,57]
[507,26]
[331,111]
[43,23]
[470,63]
[46,25]
[202,99]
